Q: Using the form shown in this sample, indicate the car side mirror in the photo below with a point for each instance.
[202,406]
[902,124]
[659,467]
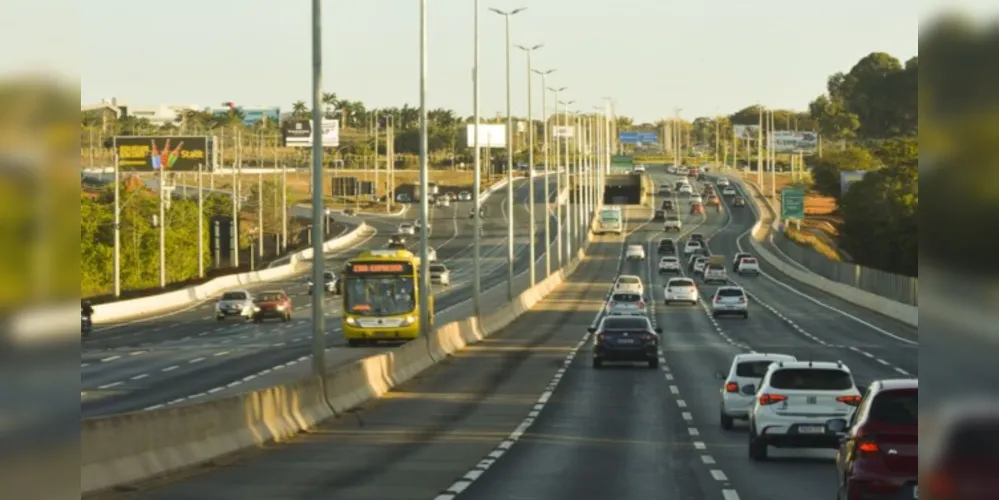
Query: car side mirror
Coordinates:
[659,330]
[591,330]
[837,426]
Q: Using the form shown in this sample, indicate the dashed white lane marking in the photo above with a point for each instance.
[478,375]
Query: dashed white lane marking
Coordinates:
[140,376]
[687,416]
[681,403]
[108,386]
[730,495]
[674,389]
[111,358]
[707,460]
[136,353]
[84,365]
[718,475]
[693,431]
[699,445]
[170,368]
[196,360]
[221,353]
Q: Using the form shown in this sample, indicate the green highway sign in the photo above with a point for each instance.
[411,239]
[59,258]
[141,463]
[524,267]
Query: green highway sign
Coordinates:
[622,164]
[792,204]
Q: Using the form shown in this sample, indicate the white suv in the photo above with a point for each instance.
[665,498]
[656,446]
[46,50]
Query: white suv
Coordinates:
[673,223]
[669,264]
[625,304]
[748,265]
[739,390]
[730,300]
[681,290]
[692,246]
[796,401]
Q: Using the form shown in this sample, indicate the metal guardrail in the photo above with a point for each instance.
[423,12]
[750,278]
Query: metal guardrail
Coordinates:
[904,289]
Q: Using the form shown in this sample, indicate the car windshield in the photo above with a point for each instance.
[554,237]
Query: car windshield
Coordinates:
[748,261]
[626,324]
[437,268]
[668,259]
[626,297]
[380,296]
[234,296]
[752,369]
[270,297]
[693,243]
[897,407]
[680,283]
[819,379]
[629,280]
[730,292]
[328,275]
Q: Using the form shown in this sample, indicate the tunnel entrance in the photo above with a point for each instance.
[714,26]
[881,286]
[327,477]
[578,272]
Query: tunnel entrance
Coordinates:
[623,190]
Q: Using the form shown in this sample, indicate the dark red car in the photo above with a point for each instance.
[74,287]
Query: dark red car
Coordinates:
[697,209]
[878,453]
[271,304]
[961,450]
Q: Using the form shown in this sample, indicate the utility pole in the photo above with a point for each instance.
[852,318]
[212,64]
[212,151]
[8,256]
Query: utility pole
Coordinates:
[318,318]
[532,229]
[547,153]
[477,177]
[556,139]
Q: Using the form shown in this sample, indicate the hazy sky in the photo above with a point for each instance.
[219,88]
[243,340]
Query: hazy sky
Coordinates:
[706,56]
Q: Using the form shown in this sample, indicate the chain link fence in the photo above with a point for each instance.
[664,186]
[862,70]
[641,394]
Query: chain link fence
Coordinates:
[904,289]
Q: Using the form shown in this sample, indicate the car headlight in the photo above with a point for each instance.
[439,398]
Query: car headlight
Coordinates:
[350,321]
[256,309]
[280,308]
[409,320]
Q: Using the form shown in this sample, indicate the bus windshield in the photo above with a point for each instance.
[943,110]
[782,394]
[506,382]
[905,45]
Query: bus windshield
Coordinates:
[610,216]
[380,295]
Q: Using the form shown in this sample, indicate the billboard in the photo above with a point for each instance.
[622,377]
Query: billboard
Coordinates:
[638,137]
[173,153]
[490,135]
[746,132]
[787,141]
[298,133]
[563,132]
[848,177]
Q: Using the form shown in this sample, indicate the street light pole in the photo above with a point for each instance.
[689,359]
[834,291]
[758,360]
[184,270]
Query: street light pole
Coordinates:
[547,205]
[558,180]
[424,285]
[533,231]
[476,177]
[509,158]
[568,184]
[318,333]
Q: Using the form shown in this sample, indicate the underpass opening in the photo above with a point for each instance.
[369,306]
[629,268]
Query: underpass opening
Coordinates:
[623,190]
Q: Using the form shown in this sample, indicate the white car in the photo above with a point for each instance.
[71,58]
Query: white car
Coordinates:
[730,300]
[625,304]
[692,246]
[714,273]
[669,265]
[464,196]
[795,403]
[738,258]
[748,265]
[406,229]
[686,189]
[235,303]
[729,191]
[635,252]
[443,201]
[699,264]
[673,223]
[681,290]
[696,198]
[722,182]
[629,283]
[418,225]
[682,170]
[431,255]
[739,390]
[440,274]
[639,168]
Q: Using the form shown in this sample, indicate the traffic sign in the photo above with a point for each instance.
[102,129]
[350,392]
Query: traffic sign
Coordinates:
[792,204]
[638,137]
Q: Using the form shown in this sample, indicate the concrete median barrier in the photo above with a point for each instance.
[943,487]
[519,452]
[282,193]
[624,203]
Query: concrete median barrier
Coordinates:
[766,218]
[123,449]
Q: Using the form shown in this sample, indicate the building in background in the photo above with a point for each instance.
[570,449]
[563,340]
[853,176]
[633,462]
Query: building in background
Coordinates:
[251,115]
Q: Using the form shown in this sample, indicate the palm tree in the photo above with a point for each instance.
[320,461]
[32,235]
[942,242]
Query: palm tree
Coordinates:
[299,109]
[330,104]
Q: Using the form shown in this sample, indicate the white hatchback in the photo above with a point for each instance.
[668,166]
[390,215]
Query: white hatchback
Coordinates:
[681,290]
[696,198]
[729,191]
[629,283]
[740,383]
[730,300]
[686,188]
[692,246]
[669,265]
[625,304]
[635,252]
[406,229]
[795,403]
[723,182]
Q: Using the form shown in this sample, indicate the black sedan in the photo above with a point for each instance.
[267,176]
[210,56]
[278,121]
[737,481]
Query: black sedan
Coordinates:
[625,339]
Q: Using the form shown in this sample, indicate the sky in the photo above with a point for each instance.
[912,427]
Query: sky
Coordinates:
[649,56]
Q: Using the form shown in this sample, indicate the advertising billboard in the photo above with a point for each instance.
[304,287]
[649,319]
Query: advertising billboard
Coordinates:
[746,132]
[298,133]
[638,137]
[490,136]
[171,153]
[787,141]
[563,132]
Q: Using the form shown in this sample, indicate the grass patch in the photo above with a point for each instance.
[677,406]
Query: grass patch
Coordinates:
[817,243]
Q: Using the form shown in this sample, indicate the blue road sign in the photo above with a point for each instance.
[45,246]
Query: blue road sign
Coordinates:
[633,137]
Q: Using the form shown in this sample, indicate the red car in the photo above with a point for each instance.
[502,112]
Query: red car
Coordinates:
[878,453]
[961,450]
[697,209]
[272,304]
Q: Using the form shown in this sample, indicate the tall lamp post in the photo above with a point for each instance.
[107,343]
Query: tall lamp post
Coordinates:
[533,231]
[477,178]
[318,318]
[509,155]
[558,178]
[544,131]
[568,184]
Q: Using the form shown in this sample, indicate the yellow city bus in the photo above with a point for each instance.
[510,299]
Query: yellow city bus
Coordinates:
[381,297]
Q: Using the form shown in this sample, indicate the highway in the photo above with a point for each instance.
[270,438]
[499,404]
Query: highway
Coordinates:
[188,355]
[523,415]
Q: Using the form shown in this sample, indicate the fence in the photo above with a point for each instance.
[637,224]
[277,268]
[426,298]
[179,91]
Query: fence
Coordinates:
[904,289]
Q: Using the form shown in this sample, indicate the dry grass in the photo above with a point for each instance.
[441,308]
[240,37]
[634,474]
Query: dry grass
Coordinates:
[818,243]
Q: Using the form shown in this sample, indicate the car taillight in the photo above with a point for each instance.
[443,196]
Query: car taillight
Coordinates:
[850,400]
[731,387]
[867,447]
[769,399]
[641,304]
[717,299]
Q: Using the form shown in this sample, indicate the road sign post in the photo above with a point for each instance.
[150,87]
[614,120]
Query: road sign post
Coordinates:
[792,204]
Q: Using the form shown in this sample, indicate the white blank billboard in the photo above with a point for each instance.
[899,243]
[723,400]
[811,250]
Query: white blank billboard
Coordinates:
[490,136]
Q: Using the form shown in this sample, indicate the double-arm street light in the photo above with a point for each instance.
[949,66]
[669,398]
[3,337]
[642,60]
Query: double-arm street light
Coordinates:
[558,177]
[509,155]
[530,165]
[566,127]
[544,131]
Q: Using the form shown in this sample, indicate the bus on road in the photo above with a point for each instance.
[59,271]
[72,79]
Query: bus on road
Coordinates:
[611,221]
[381,297]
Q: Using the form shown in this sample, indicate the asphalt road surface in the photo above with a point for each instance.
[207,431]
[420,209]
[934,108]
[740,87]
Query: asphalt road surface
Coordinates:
[189,355]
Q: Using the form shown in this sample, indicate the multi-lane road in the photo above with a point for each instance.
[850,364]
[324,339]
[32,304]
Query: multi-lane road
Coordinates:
[523,415]
[188,355]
